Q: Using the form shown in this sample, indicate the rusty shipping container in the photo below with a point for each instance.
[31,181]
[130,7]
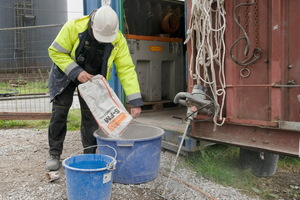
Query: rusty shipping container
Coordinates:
[261,105]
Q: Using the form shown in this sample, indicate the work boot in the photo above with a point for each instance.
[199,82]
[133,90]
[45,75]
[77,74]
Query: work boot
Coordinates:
[52,163]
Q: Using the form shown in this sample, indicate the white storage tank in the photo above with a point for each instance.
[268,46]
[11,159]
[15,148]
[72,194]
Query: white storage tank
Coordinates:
[159,64]
[23,47]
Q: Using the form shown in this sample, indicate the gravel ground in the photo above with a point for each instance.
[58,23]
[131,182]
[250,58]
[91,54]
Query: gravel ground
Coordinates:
[23,153]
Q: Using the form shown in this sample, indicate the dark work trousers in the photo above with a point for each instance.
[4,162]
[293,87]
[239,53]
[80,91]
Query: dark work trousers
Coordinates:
[58,122]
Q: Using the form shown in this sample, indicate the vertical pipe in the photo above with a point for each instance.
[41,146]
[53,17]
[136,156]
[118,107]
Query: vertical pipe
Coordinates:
[117,5]
[89,6]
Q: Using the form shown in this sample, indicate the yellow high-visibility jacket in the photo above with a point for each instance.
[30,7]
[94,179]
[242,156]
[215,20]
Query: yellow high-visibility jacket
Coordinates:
[65,69]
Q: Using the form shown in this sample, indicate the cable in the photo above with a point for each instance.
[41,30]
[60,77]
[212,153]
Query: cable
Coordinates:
[189,185]
[8,94]
[126,27]
[200,120]
[202,107]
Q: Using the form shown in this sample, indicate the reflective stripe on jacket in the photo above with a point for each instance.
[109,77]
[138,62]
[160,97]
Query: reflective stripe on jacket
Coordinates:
[62,52]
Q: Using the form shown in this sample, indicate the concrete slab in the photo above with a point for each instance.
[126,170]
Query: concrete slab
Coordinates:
[164,119]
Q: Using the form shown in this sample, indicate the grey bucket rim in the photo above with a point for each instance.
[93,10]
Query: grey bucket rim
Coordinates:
[135,140]
[114,162]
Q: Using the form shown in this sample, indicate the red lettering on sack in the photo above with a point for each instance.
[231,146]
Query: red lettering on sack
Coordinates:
[117,121]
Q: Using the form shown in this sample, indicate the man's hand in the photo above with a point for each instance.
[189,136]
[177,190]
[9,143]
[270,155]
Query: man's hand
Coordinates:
[135,112]
[84,77]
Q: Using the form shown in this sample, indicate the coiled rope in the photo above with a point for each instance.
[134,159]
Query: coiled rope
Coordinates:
[206,33]
[170,23]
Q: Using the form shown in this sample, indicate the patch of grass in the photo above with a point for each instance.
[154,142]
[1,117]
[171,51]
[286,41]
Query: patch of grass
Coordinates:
[220,164]
[8,124]
[73,123]
[28,88]
[34,87]
[74,120]
[288,163]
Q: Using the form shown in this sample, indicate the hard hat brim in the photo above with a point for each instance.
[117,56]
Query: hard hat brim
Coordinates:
[102,38]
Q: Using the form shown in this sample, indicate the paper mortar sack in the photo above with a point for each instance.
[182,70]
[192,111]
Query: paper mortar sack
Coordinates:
[106,107]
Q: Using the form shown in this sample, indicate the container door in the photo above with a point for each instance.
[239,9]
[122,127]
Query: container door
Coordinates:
[293,67]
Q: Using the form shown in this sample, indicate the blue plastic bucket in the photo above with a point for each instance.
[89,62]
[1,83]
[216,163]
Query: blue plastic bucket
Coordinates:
[89,176]
[138,153]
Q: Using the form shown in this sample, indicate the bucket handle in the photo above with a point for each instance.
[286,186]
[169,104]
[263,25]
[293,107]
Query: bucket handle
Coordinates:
[110,166]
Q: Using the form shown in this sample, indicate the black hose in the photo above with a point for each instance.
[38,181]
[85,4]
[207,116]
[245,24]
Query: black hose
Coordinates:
[8,94]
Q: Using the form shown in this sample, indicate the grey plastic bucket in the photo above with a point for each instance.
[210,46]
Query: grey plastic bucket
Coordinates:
[262,164]
[138,153]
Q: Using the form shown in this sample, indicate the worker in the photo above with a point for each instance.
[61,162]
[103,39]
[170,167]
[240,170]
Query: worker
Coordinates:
[83,48]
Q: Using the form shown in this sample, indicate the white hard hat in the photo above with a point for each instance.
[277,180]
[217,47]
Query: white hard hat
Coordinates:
[105,24]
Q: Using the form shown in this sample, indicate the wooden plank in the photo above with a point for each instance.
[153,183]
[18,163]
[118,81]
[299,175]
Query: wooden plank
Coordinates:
[156,105]
[24,116]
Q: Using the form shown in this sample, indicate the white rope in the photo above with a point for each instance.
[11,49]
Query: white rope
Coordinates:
[206,30]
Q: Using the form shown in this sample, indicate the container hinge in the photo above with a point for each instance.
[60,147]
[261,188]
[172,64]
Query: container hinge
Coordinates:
[178,50]
[132,45]
[170,47]
[137,45]
[174,48]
